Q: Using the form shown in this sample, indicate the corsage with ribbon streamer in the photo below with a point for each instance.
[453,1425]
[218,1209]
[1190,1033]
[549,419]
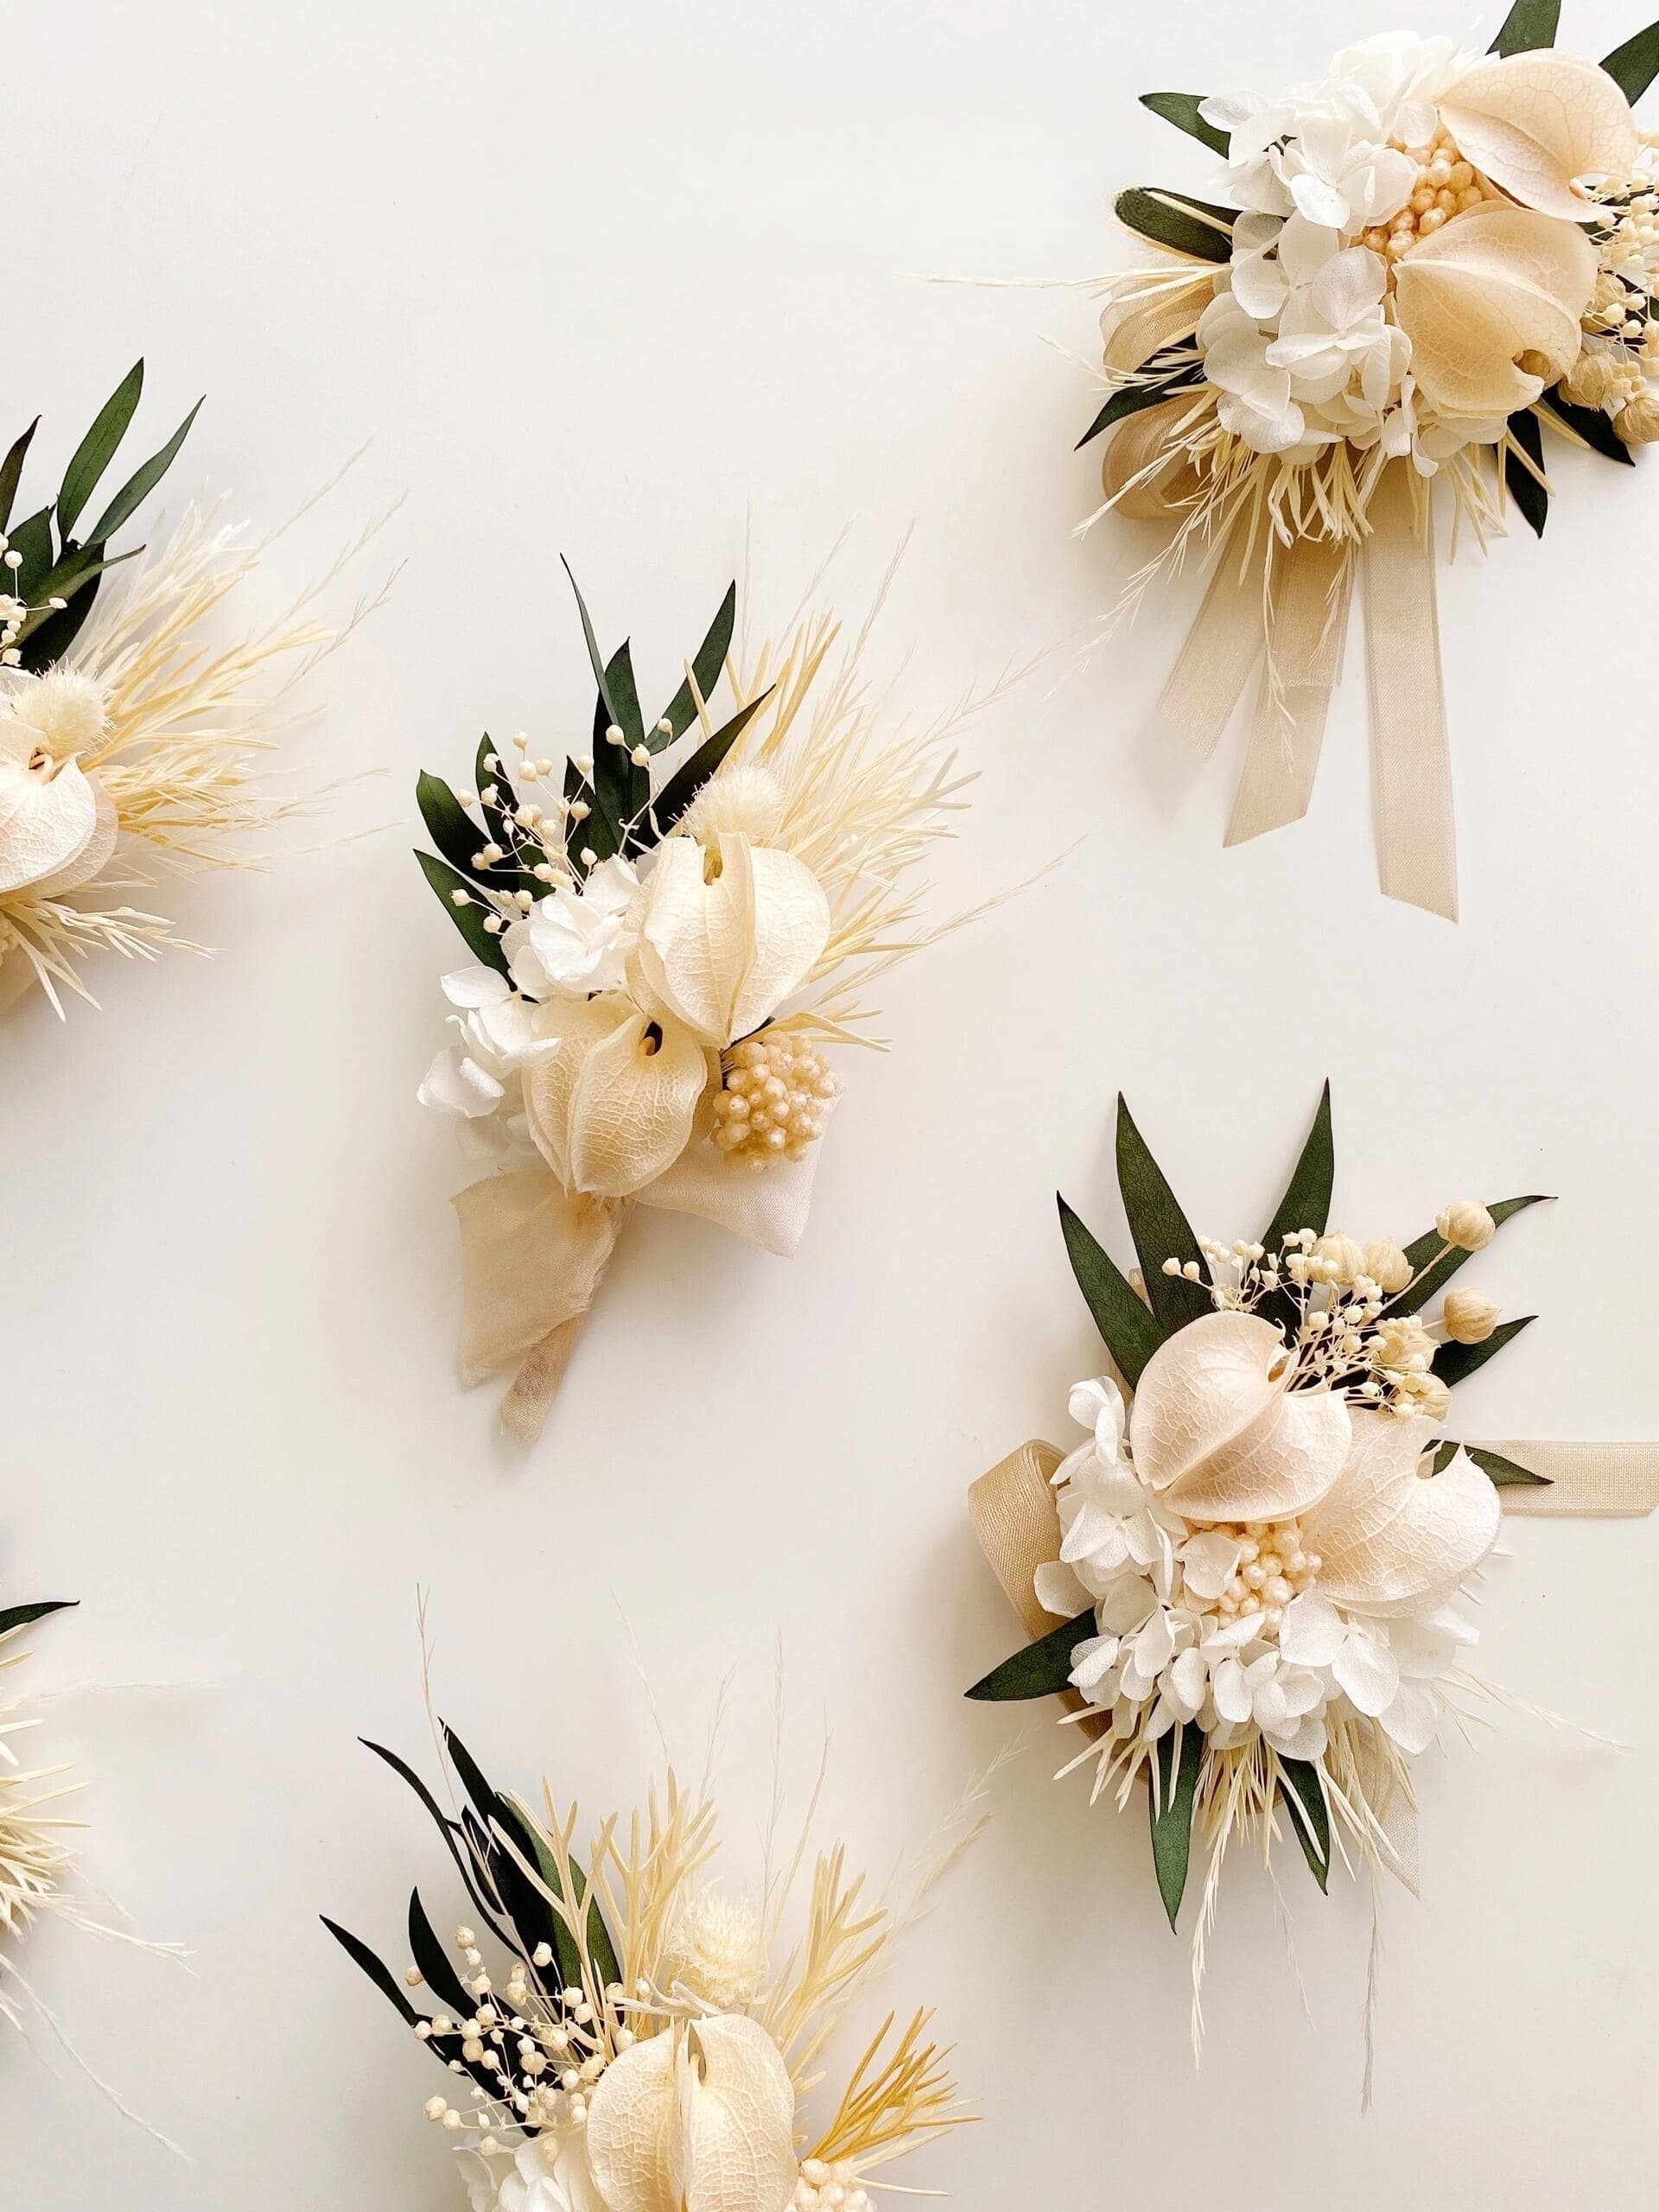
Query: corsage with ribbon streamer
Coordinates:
[621,2032]
[1245,1582]
[1420,266]
[669,929]
[136,732]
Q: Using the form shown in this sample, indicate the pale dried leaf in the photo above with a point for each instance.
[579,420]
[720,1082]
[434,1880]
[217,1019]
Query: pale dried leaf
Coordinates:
[1538,120]
[1474,296]
[1392,1538]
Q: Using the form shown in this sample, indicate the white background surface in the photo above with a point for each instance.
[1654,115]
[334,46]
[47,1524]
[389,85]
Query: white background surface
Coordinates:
[594,279]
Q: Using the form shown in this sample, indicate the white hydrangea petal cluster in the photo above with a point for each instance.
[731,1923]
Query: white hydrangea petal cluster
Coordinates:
[545,2173]
[1300,341]
[1225,1625]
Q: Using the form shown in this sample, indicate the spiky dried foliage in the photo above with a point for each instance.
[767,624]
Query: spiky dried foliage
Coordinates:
[199,701]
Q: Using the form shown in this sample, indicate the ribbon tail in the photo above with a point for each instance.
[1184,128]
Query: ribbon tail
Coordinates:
[1312,591]
[1411,755]
[1219,655]
[533,1256]
[1589,1481]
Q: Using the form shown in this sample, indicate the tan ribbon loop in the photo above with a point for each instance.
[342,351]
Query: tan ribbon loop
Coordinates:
[532,1258]
[1013,1512]
[1411,751]
[1131,336]
[1133,449]
[1313,586]
[1588,1481]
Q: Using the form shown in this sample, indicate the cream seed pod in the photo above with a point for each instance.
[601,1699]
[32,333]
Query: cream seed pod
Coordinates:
[1467,1226]
[1339,1259]
[1387,1266]
[1470,1318]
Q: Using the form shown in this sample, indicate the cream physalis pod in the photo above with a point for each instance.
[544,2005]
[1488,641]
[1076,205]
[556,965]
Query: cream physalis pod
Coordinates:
[612,1104]
[699,2119]
[1218,1434]
[728,930]
[1500,286]
[1538,122]
[1392,1538]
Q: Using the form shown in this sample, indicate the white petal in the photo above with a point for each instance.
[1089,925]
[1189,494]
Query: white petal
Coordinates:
[1154,1646]
[1259,286]
[1188,1680]
[1320,202]
[1098,1405]
[456,1084]
[1209,1563]
[1305,247]
[1538,120]
[1214,1431]
[668,2132]
[1305,1739]
[1231,1695]
[1058,1591]
[1391,1538]
[1412,1719]
[1095,1656]
[475,987]
[722,950]
[1311,1632]
[1368,1674]
[1269,1705]
[1304,1693]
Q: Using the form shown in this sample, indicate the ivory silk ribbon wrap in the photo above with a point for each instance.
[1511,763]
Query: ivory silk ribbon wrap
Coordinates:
[534,1254]
[1284,607]
[1014,1518]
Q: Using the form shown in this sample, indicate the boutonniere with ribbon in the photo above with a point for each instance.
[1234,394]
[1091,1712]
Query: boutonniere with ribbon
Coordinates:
[622,2033]
[135,731]
[1422,268]
[673,930]
[1245,1582]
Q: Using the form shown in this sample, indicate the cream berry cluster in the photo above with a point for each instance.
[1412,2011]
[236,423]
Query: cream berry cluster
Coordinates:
[1447,186]
[772,1104]
[1273,1569]
[832,2187]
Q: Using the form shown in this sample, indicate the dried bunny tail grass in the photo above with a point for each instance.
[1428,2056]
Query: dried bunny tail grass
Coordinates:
[895,2102]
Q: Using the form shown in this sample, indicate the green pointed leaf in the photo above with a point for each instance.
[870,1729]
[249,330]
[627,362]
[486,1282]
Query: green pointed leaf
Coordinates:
[1170,1809]
[12,471]
[46,632]
[1508,1474]
[12,1617]
[1197,228]
[683,787]
[624,789]
[1591,425]
[1182,110]
[451,829]
[1130,399]
[97,450]
[1529,23]
[386,1982]
[429,1955]
[1525,490]
[484,944]
[1443,1455]
[1435,1276]
[1160,1229]
[1041,1669]
[709,660]
[1306,1202]
[1454,1362]
[1310,1816]
[1130,1329]
[142,482]
[33,539]
[1634,66]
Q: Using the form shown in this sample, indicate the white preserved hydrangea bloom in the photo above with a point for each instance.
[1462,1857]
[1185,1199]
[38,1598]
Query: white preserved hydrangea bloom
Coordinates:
[1257,1555]
[1303,342]
[548,2172]
[576,940]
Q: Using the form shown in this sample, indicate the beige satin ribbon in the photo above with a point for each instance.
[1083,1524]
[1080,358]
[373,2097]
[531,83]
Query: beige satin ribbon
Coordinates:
[533,1256]
[1018,1526]
[1286,607]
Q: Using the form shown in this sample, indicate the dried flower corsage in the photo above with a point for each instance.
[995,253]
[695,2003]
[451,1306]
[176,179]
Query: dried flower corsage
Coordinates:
[37,1859]
[1424,262]
[647,2040]
[132,737]
[1257,1555]
[667,941]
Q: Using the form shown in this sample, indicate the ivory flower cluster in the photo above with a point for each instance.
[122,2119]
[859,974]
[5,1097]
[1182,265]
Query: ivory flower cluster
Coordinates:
[1411,267]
